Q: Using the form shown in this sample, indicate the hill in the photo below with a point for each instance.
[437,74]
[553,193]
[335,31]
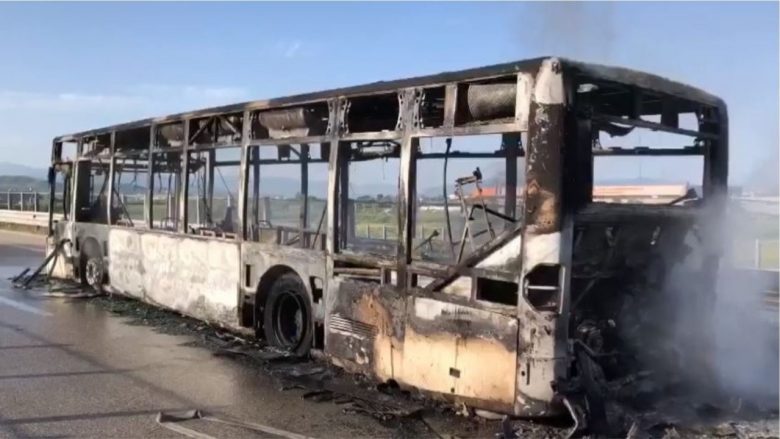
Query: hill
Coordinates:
[22,183]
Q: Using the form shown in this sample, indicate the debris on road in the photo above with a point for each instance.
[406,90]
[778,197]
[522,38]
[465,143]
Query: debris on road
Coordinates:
[173,421]
[24,281]
[640,403]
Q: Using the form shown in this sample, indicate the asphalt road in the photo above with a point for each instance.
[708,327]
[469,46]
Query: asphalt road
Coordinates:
[69,368]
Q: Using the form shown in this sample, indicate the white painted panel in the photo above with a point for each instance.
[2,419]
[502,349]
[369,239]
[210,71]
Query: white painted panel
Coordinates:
[197,277]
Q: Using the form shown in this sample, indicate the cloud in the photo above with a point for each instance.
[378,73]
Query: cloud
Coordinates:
[11,100]
[286,48]
[36,117]
[292,49]
[573,29]
[156,98]
[191,93]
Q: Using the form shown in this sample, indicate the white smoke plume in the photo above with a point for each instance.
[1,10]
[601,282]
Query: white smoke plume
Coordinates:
[581,30]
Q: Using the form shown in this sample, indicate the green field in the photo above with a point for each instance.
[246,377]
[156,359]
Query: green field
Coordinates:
[755,241]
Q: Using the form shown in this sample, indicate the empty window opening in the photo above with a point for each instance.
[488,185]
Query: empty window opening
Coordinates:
[129,198]
[274,203]
[542,287]
[317,206]
[212,202]
[635,160]
[132,139]
[432,107]
[369,197]
[169,135]
[474,195]
[65,151]
[92,192]
[287,189]
[220,129]
[62,191]
[373,113]
[165,182]
[497,291]
[627,171]
[647,180]
[96,146]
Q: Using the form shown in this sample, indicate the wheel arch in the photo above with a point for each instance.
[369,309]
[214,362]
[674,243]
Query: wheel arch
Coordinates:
[264,287]
[88,246]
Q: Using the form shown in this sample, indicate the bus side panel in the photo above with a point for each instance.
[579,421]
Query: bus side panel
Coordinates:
[364,327]
[61,266]
[126,269]
[456,351]
[461,351]
[197,277]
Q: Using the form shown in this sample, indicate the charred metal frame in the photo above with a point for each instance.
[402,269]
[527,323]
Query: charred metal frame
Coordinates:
[536,97]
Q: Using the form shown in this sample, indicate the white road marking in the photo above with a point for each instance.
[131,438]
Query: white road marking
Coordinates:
[23,307]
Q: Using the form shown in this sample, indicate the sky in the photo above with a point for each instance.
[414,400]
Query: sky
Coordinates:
[71,67]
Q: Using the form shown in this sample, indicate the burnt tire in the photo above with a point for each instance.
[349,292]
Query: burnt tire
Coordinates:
[287,316]
[92,267]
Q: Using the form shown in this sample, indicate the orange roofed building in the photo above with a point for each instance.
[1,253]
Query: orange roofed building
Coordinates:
[643,193]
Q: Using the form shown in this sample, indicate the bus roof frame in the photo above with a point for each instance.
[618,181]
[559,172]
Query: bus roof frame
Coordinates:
[625,76]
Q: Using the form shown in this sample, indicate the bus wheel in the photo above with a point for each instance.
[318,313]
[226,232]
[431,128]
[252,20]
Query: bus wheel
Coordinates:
[93,272]
[287,315]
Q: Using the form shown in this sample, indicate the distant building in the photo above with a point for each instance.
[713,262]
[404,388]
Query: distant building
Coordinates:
[644,193]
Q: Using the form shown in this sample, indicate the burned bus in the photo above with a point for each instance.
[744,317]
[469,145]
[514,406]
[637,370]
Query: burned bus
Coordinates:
[481,271]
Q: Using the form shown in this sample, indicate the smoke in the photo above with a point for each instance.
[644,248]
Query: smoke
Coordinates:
[745,327]
[581,30]
[727,338]
[700,345]
[764,175]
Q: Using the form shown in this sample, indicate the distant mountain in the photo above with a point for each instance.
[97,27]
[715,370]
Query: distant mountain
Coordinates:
[13,169]
[22,183]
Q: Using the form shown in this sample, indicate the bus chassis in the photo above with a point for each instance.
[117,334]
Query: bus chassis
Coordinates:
[516,325]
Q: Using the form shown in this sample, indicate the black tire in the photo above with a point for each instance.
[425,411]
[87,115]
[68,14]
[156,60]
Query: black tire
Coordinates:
[92,267]
[287,317]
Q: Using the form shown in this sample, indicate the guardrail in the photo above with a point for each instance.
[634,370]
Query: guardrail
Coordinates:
[25,201]
[26,220]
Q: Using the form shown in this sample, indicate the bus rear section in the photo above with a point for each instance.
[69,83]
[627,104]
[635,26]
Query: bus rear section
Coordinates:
[646,252]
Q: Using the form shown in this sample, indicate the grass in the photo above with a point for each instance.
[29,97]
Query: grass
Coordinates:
[381,220]
[770,255]
[745,253]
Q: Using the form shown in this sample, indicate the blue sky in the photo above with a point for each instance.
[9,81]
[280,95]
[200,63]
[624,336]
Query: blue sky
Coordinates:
[69,67]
